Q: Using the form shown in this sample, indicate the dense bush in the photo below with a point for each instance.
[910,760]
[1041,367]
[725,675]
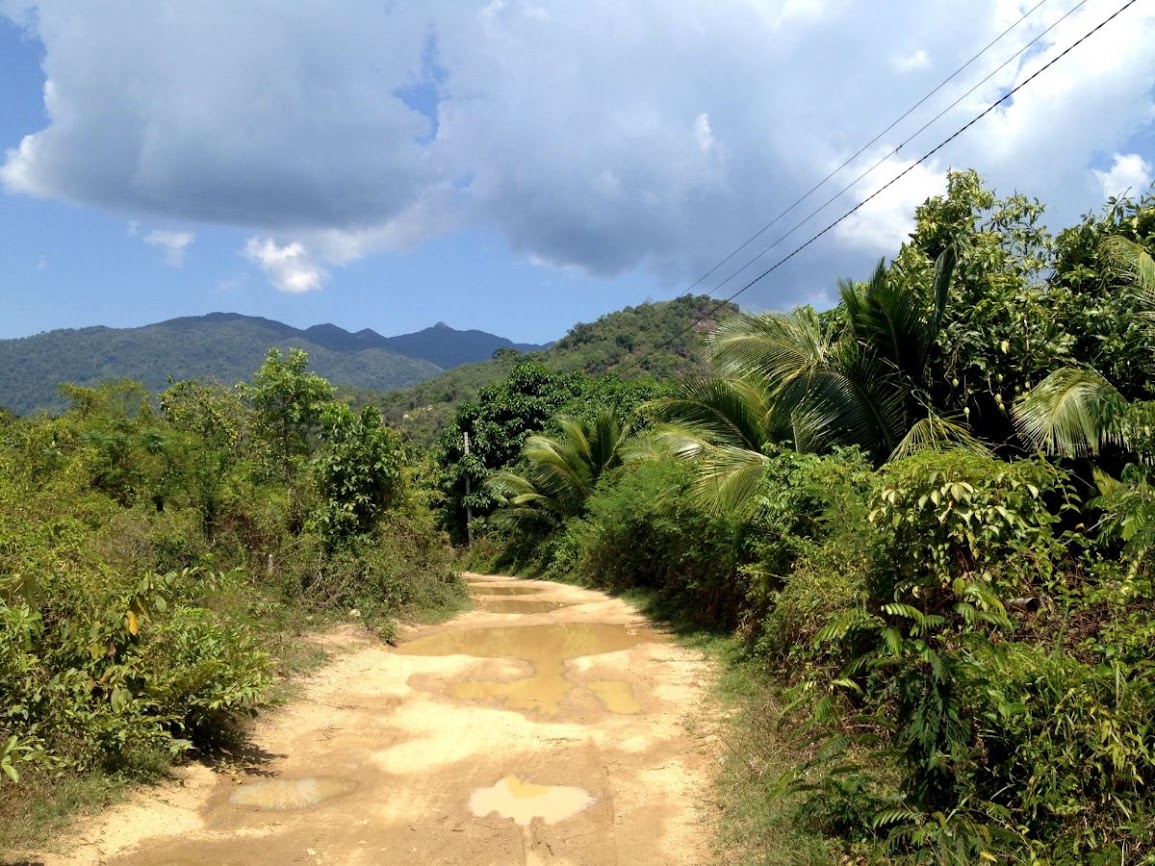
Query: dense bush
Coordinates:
[644,529]
[146,555]
[810,553]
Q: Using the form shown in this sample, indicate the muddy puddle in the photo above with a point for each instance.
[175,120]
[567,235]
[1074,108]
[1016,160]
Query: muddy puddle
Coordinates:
[506,590]
[524,801]
[517,605]
[546,648]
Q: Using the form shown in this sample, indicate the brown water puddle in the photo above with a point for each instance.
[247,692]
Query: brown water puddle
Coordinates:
[506,590]
[523,801]
[517,605]
[617,696]
[287,795]
[546,648]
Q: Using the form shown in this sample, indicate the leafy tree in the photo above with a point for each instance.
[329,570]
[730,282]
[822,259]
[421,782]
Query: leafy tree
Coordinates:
[209,427]
[1095,300]
[358,472]
[999,331]
[497,426]
[125,444]
[1077,410]
[288,400]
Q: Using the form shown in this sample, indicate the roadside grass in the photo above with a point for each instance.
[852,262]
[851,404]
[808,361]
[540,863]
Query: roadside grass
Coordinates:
[44,804]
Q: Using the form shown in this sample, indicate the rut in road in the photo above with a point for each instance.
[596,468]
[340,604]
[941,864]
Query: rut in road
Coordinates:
[552,724]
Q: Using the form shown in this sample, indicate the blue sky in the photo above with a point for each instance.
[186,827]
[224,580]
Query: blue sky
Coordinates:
[511,165]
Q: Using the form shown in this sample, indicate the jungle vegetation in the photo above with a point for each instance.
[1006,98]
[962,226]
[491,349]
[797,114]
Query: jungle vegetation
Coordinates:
[161,554]
[925,516]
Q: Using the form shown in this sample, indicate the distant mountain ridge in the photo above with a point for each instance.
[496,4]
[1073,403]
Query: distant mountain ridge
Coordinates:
[450,348]
[227,348]
[654,339]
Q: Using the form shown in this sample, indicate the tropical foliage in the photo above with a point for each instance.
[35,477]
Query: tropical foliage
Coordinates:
[560,472]
[158,554]
[928,515]
[925,515]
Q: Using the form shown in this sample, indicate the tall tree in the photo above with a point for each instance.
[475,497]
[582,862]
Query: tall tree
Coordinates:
[288,400]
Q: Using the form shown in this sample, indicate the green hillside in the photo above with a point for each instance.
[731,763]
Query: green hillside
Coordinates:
[221,347]
[655,339]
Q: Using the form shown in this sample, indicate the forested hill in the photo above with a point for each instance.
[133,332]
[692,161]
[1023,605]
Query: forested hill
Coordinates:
[656,340]
[225,347]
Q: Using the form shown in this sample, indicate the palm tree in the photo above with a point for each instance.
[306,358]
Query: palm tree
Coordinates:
[814,383]
[560,472]
[1075,411]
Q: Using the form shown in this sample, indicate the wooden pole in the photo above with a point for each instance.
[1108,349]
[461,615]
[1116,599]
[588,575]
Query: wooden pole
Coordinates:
[468,507]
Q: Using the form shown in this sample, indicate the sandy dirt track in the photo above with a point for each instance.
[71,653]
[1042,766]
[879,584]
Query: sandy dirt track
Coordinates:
[550,725]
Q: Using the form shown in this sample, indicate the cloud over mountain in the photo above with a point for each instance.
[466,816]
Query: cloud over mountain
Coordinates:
[601,135]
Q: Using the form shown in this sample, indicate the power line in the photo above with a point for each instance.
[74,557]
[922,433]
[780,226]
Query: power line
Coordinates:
[895,151]
[866,146]
[1010,93]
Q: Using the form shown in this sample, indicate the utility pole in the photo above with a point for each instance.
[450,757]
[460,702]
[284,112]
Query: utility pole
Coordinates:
[468,507]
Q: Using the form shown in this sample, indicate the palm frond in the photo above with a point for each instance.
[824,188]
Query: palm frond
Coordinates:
[726,411]
[1134,265]
[859,401]
[561,471]
[1072,412]
[774,347]
[938,433]
[940,285]
[729,479]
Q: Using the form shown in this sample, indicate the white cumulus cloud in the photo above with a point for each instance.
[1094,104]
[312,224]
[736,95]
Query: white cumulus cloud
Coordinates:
[173,243]
[1130,174]
[604,136]
[289,266]
[885,221]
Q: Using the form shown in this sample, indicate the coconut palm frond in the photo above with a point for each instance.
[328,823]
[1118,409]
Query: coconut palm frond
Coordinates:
[858,401]
[725,411]
[938,433]
[940,286]
[506,486]
[560,471]
[1072,412]
[773,347]
[730,479]
[559,468]
[1134,265]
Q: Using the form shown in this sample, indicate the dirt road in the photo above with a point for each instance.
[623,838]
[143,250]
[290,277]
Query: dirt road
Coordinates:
[550,725]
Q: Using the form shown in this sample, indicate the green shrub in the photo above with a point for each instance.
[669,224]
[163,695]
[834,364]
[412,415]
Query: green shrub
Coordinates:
[406,565]
[1067,750]
[959,516]
[1003,748]
[811,555]
[645,528]
[92,673]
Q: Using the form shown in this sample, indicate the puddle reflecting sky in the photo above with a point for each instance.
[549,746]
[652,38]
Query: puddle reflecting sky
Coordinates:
[524,801]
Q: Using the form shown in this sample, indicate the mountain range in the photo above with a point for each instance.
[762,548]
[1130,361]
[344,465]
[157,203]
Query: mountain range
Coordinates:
[227,348]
